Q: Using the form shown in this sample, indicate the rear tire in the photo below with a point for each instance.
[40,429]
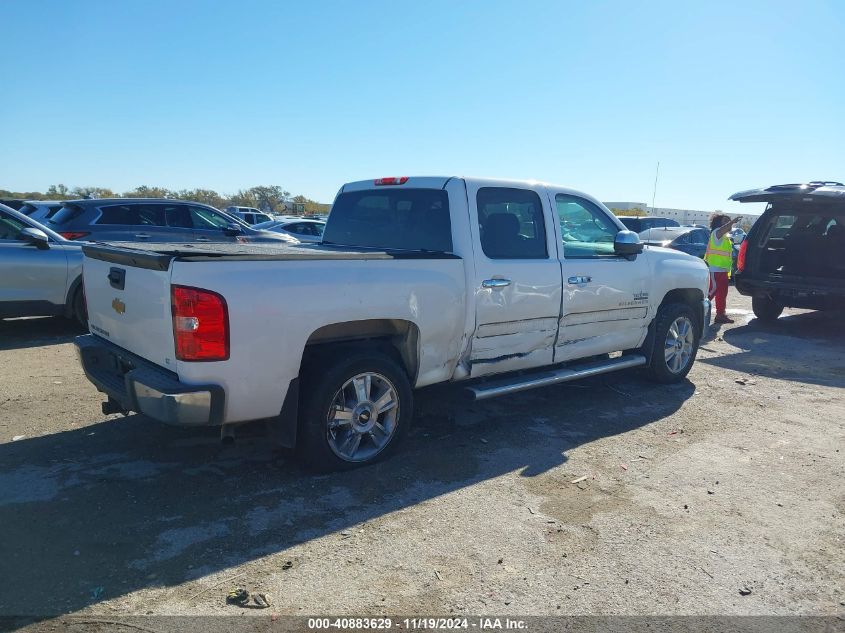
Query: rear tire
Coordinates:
[766,309]
[676,339]
[80,308]
[353,411]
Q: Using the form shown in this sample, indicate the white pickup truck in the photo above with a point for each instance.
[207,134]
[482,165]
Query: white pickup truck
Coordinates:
[505,285]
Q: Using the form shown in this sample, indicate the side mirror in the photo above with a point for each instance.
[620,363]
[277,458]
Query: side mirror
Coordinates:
[627,244]
[36,238]
[232,230]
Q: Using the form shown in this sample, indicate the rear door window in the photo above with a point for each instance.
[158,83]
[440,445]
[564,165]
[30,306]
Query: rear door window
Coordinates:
[133,215]
[178,216]
[120,214]
[392,219]
[511,223]
[151,215]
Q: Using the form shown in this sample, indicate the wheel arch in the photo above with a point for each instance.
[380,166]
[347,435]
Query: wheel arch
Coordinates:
[693,297]
[399,337]
[71,292]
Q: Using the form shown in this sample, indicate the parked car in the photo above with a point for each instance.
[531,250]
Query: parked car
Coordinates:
[249,215]
[41,270]
[40,210]
[153,220]
[638,224]
[794,255]
[418,281]
[691,240]
[13,203]
[308,231]
[737,235]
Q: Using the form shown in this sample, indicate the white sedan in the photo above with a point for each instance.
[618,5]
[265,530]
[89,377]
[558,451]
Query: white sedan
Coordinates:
[307,231]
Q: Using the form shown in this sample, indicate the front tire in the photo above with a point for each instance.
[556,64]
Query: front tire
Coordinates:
[676,339]
[766,309]
[353,412]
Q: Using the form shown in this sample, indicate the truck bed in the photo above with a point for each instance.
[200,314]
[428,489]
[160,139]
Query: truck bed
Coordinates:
[158,255]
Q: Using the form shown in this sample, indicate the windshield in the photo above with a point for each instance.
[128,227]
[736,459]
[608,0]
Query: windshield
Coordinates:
[400,219]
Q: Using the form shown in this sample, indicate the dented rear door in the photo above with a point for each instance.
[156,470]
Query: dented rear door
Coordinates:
[517,278]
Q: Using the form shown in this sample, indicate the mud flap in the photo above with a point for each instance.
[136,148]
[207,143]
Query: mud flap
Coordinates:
[282,428]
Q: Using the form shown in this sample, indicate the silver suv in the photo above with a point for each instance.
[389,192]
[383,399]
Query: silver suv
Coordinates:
[153,220]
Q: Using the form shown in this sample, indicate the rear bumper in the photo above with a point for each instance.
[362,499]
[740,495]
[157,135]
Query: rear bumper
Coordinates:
[806,293]
[139,385]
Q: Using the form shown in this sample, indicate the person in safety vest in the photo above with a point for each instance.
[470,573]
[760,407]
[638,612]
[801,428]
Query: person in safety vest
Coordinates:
[718,258]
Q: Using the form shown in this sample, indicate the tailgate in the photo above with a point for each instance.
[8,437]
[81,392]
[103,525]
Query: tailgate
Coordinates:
[128,297]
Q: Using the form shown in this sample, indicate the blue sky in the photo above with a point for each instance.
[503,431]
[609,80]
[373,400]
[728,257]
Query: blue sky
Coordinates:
[226,95]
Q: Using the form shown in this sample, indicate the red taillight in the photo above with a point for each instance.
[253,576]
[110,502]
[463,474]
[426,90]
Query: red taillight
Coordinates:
[740,259]
[200,324]
[391,181]
[73,235]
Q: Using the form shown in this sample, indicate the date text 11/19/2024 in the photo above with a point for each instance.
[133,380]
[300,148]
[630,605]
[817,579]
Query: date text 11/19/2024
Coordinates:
[417,624]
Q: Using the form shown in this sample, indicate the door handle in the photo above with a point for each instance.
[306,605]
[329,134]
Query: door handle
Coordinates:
[203,239]
[579,280]
[142,236]
[495,283]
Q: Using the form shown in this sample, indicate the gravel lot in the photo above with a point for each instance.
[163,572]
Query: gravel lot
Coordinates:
[608,496]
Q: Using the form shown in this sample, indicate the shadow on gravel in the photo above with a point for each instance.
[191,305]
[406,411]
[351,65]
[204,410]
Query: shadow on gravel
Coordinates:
[771,349]
[125,504]
[36,332]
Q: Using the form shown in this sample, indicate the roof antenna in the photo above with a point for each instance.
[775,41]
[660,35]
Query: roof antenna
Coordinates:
[654,193]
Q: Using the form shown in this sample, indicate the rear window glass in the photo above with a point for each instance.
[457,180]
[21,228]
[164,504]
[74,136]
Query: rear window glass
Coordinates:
[782,225]
[67,213]
[399,219]
[651,223]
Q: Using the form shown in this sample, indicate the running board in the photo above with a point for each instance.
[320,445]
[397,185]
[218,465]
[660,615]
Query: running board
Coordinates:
[506,386]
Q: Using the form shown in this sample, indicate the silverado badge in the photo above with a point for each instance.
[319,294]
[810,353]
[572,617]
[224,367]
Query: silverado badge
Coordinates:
[118,306]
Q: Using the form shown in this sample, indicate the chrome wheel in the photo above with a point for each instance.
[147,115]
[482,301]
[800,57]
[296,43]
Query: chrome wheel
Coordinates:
[363,417]
[680,343]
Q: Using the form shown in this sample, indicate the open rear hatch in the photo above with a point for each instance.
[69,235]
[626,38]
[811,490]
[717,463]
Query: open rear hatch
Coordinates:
[128,297]
[800,239]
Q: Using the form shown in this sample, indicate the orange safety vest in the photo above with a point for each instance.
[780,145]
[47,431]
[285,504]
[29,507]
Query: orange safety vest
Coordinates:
[718,254]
